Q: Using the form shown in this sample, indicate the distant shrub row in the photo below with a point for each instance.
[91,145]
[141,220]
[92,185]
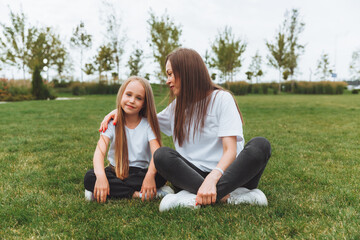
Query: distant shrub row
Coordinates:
[323,87]
[20,90]
[93,88]
[11,90]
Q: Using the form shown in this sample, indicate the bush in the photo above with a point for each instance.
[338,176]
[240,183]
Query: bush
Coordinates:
[93,88]
[256,88]
[11,90]
[237,88]
[265,88]
[355,91]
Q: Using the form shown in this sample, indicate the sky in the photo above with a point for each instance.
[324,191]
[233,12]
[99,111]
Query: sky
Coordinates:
[331,26]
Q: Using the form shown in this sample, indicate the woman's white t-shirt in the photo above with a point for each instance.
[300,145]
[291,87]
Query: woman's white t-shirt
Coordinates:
[206,149]
[137,141]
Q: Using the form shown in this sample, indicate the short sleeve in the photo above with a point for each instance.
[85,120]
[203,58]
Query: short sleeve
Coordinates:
[229,118]
[164,118]
[110,131]
[150,133]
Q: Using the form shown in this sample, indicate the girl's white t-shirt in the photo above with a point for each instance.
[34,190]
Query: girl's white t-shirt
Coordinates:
[206,149]
[137,141]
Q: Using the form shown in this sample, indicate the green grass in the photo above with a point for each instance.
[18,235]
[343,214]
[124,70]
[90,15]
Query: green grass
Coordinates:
[312,179]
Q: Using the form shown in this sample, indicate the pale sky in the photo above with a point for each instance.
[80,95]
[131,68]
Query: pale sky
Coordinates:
[332,27]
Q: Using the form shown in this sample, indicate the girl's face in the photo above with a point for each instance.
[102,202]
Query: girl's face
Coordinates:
[173,83]
[133,99]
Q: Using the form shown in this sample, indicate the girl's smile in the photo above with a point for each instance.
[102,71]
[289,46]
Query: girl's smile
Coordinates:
[133,98]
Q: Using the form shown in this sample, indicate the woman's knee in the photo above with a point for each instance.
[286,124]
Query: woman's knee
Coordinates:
[263,144]
[161,157]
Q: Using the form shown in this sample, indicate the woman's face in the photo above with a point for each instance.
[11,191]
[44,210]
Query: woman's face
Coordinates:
[173,83]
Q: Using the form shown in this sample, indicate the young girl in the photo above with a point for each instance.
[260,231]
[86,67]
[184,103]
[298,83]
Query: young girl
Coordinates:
[132,144]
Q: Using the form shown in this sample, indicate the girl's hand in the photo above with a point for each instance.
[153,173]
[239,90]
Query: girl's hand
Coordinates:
[207,192]
[104,124]
[101,189]
[148,187]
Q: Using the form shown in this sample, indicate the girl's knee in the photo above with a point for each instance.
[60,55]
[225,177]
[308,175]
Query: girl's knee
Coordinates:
[89,180]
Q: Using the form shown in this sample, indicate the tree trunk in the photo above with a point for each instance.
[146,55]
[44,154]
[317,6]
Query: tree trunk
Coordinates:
[279,81]
[81,56]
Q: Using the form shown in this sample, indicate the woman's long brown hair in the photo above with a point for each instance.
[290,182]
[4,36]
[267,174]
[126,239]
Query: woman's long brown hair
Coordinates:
[148,111]
[195,92]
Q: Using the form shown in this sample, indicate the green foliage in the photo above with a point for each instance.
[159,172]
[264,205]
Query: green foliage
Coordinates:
[93,88]
[355,65]
[293,27]
[26,46]
[227,53]
[39,89]
[322,87]
[323,70]
[298,87]
[16,41]
[278,53]
[237,88]
[104,60]
[255,67]
[37,83]
[12,90]
[164,38]
[135,62]
[47,50]
[89,69]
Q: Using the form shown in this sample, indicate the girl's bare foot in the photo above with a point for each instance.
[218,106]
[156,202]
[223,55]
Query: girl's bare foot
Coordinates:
[136,195]
[223,200]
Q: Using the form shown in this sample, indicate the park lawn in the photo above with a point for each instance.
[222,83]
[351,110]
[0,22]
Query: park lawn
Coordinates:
[312,179]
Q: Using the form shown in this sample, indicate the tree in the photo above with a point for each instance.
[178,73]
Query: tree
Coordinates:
[104,60]
[89,69]
[81,40]
[355,65]
[135,62]
[323,67]
[16,40]
[227,51]
[278,53]
[164,38]
[255,67]
[113,35]
[249,75]
[60,59]
[46,50]
[293,27]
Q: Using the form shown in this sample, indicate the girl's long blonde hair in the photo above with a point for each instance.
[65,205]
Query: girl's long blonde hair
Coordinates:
[148,111]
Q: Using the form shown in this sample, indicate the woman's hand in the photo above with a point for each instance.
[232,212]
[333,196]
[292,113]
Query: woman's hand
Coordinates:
[104,124]
[207,192]
[101,189]
[148,188]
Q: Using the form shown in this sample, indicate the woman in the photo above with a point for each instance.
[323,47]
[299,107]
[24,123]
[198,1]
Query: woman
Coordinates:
[210,162]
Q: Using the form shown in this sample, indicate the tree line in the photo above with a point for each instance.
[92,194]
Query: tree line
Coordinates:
[26,47]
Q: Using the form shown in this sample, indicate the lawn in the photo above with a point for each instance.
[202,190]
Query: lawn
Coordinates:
[312,179]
